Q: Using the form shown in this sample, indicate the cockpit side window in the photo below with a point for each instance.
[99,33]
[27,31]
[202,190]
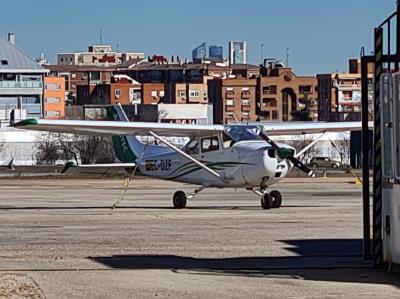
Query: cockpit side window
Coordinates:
[209,144]
[192,147]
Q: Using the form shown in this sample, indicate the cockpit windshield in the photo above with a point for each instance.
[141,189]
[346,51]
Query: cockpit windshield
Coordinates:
[242,133]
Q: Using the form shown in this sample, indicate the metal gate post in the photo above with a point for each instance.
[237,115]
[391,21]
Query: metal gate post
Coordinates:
[377,179]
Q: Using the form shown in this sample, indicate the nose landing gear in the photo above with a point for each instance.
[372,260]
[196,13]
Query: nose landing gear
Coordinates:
[271,200]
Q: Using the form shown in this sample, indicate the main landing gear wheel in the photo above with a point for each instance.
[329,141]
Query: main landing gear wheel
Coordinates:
[276,197]
[179,200]
[266,201]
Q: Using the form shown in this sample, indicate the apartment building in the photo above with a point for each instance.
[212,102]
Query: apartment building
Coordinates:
[234,100]
[153,93]
[21,82]
[122,89]
[80,75]
[284,96]
[340,94]
[189,93]
[54,97]
[97,55]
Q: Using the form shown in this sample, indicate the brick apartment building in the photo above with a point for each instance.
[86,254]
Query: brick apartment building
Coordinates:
[153,93]
[340,94]
[284,96]
[233,100]
[81,75]
[54,97]
[122,89]
[189,93]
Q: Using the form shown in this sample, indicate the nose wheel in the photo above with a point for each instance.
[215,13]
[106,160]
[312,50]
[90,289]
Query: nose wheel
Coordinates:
[271,200]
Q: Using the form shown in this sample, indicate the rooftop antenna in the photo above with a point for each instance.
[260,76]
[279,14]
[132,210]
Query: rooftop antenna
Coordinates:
[287,56]
[117,47]
[101,36]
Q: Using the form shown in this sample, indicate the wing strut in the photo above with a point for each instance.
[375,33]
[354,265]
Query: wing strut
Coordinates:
[202,165]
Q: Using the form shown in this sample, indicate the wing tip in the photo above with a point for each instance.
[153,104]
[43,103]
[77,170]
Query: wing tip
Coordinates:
[25,122]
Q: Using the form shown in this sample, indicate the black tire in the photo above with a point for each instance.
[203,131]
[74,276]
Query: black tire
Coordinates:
[179,200]
[266,201]
[276,197]
[334,165]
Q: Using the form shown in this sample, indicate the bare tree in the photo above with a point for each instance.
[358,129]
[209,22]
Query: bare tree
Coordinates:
[48,148]
[92,149]
[342,146]
[52,147]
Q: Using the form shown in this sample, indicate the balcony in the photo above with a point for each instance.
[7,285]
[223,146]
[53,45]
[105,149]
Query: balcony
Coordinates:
[246,94]
[21,84]
[229,108]
[230,95]
[21,87]
[245,108]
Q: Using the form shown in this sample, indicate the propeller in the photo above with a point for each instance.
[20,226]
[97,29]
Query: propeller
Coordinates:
[288,154]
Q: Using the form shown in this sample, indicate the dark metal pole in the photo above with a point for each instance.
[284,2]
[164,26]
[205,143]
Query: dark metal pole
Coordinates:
[377,193]
[365,159]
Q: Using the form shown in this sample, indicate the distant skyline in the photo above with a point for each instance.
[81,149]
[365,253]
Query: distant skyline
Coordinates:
[322,35]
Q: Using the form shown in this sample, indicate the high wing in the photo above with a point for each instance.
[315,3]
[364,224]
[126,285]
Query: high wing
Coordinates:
[85,127]
[117,127]
[298,128]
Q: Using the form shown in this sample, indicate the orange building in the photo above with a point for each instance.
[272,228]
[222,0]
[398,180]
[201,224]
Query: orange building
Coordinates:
[153,93]
[54,97]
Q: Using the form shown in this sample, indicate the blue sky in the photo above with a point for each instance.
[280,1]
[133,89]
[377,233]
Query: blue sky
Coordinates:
[321,34]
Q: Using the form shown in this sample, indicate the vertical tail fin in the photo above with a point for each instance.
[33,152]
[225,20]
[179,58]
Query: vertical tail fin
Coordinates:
[127,147]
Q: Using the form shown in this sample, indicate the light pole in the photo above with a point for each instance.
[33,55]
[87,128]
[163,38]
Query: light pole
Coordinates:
[262,52]
[287,56]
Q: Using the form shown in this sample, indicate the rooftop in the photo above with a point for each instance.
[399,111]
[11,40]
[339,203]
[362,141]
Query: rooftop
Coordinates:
[13,60]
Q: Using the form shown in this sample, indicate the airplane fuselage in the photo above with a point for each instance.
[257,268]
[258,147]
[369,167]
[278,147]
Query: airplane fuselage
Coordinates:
[245,164]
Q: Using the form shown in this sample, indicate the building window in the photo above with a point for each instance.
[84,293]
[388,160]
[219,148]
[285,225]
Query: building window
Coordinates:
[304,88]
[4,62]
[118,93]
[230,103]
[194,93]
[52,113]
[182,93]
[269,89]
[162,93]
[154,93]
[245,103]
[275,114]
[53,86]
[73,76]
[53,100]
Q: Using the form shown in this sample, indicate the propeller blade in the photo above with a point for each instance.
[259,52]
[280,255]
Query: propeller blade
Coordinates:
[287,153]
[269,140]
[283,152]
[302,167]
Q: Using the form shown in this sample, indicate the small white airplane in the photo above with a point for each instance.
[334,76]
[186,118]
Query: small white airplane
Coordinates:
[221,156]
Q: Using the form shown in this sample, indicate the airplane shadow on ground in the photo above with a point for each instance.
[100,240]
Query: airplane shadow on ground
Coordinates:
[125,207]
[338,260]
